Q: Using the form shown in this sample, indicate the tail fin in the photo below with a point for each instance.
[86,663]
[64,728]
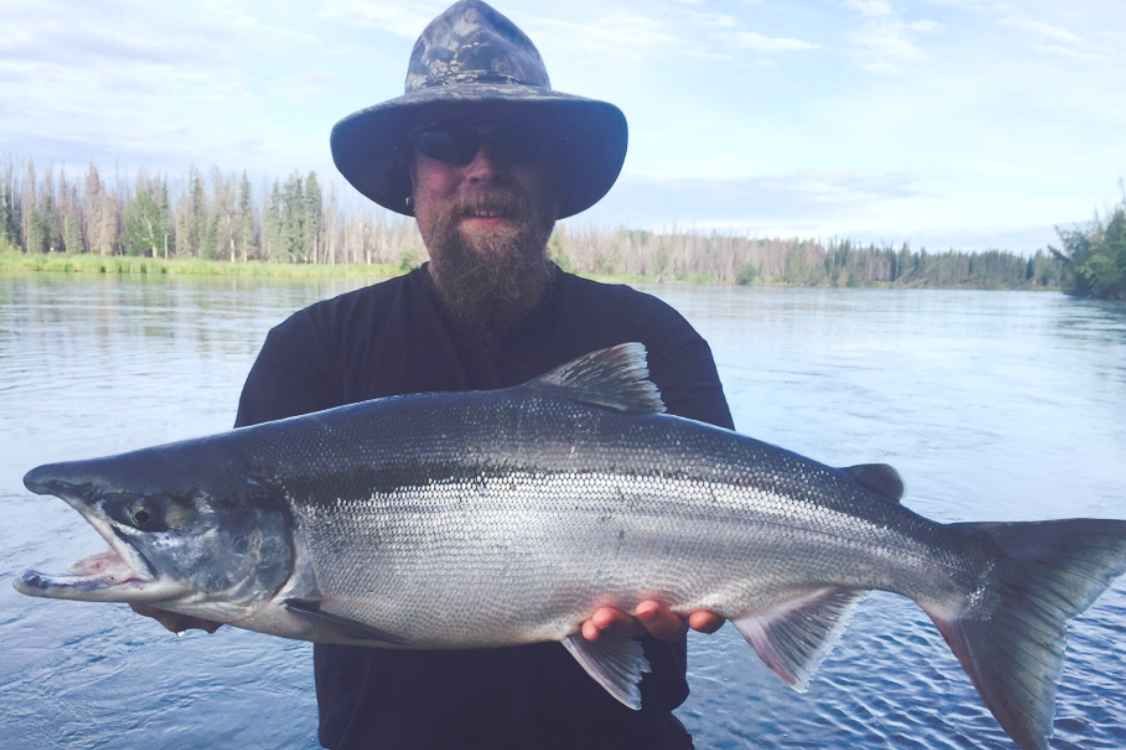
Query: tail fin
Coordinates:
[1012,647]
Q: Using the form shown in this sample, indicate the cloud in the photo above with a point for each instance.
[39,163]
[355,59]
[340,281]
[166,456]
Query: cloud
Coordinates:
[620,32]
[763,43]
[391,17]
[925,26]
[717,20]
[872,8]
[779,198]
[889,208]
[977,5]
[1046,31]
[152,84]
[886,47]
[617,30]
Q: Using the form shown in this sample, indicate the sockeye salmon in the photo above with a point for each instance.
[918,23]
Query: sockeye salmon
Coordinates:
[493,518]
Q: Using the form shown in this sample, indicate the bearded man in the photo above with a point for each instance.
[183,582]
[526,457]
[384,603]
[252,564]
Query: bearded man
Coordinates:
[486,157]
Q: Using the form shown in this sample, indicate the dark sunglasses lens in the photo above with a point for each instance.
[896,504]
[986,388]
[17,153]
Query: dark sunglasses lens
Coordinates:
[451,145]
[513,143]
[518,145]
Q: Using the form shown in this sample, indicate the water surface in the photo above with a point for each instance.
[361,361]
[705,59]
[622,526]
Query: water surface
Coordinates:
[993,405]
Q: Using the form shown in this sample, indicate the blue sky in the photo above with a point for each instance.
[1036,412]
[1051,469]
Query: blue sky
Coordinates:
[966,123]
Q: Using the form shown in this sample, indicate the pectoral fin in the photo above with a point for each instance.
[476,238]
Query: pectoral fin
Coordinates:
[793,636]
[344,627]
[616,664]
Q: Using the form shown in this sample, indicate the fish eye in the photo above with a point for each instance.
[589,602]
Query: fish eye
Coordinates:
[145,516]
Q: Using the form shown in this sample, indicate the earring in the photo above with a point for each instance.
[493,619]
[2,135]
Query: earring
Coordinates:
[409,201]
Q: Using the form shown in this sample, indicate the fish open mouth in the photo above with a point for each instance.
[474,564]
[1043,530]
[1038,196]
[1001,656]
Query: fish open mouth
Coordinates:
[119,574]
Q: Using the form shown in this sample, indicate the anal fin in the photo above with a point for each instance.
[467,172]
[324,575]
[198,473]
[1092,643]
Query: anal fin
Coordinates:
[793,636]
[311,611]
[616,664]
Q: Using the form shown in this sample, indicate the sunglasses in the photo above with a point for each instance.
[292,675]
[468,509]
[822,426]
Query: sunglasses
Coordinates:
[457,143]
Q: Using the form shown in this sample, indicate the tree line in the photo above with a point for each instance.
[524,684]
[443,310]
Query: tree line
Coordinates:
[1093,258]
[220,216]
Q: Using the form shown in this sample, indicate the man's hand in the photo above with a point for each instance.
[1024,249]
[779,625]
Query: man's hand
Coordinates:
[174,622]
[650,617]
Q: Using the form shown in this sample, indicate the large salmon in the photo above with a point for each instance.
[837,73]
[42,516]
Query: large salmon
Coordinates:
[492,518]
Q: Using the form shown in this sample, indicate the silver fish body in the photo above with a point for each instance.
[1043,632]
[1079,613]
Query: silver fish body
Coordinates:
[503,517]
[494,518]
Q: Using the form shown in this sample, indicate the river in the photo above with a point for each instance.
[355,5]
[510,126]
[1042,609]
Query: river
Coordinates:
[992,405]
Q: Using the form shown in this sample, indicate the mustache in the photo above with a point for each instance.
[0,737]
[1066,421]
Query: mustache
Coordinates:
[505,203]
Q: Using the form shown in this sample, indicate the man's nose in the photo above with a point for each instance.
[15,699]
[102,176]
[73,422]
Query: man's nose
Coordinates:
[485,165]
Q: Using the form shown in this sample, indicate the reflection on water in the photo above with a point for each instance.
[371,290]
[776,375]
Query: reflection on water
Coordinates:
[993,405]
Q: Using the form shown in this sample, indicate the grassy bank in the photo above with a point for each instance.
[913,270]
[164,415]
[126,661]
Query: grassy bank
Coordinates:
[14,262]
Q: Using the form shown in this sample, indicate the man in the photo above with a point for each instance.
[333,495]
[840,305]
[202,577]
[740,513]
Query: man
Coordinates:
[486,157]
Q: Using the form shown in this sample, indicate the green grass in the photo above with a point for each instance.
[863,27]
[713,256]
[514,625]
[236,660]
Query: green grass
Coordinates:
[14,262]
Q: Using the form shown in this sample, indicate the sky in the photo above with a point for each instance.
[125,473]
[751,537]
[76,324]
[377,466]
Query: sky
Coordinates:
[971,124]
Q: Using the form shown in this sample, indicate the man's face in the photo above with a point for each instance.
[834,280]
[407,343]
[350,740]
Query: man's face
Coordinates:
[485,222]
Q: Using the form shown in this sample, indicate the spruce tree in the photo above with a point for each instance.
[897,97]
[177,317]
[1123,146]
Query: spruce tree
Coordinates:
[312,217]
[293,220]
[6,238]
[50,218]
[198,223]
[31,236]
[165,209]
[272,224]
[245,219]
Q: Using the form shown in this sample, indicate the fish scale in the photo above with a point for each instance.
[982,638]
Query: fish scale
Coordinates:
[495,518]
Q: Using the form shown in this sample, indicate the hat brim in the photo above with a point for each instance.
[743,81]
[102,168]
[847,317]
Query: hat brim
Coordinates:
[370,147]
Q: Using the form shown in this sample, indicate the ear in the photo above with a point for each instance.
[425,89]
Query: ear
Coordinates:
[411,168]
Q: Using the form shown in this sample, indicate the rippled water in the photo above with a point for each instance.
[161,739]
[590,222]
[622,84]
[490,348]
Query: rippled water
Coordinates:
[993,405]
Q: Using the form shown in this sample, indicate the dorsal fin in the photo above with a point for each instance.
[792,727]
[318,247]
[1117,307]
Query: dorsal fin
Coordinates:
[617,378]
[879,478]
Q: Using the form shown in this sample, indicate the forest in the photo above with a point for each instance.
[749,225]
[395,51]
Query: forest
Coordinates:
[1093,258]
[221,216]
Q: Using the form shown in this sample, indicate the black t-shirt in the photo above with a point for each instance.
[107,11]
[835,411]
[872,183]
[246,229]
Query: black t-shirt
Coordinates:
[395,337]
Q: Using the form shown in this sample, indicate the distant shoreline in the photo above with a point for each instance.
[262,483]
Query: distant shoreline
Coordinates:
[14,263]
[129,265]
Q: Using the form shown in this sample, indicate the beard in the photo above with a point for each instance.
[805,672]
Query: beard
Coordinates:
[489,278]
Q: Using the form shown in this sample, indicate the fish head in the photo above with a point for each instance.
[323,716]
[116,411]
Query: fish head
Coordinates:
[174,542]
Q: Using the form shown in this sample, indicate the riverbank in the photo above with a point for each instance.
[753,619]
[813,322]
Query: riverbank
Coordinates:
[14,262]
[17,263]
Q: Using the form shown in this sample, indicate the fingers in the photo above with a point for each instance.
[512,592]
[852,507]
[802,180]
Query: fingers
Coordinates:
[705,621]
[609,621]
[650,617]
[659,621]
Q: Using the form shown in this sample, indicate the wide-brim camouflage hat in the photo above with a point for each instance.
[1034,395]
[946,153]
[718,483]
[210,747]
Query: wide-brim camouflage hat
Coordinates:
[472,55]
